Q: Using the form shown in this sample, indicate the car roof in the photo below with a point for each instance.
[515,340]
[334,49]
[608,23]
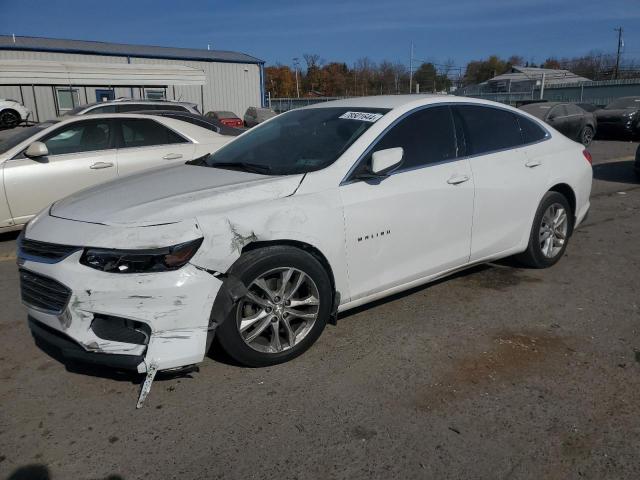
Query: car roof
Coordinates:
[404,101]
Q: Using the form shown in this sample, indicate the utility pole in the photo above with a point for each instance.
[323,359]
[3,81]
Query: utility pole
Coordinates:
[296,63]
[542,85]
[615,73]
[411,68]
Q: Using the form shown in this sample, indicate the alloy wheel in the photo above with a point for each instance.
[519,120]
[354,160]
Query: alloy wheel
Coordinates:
[553,230]
[8,119]
[278,310]
[587,136]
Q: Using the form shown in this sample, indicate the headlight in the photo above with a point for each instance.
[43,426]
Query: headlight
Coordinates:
[140,261]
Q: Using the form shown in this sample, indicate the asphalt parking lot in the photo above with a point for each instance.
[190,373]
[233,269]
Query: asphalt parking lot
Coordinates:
[496,373]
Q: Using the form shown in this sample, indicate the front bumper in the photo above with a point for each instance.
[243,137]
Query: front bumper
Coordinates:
[175,306]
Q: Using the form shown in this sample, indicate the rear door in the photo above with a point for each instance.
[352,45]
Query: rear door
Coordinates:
[507,181]
[417,221]
[81,154]
[558,118]
[144,143]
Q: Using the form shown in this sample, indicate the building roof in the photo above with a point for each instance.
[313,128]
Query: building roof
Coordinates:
[551,76]
[10,42]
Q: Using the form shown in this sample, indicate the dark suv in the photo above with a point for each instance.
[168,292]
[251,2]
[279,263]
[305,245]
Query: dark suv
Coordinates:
[621,118]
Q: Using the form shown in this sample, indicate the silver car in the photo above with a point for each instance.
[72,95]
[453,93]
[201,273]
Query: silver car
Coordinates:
[129,105]
[46,162]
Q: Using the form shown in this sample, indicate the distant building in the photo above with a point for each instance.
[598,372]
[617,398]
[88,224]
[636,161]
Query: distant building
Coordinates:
[525,79]
[51,76]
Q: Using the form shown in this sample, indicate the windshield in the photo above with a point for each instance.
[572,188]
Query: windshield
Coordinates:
[621,103]
[22,135]
[299,141]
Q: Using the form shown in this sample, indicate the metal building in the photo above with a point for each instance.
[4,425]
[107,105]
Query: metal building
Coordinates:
[51,76]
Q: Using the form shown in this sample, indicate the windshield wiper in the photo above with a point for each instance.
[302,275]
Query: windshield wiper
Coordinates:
[246,166]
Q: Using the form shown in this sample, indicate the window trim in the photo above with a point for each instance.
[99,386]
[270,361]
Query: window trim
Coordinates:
[347,179]
[119,143]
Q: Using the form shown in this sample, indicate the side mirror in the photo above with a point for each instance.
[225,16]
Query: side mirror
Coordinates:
[383,162]
[37,150]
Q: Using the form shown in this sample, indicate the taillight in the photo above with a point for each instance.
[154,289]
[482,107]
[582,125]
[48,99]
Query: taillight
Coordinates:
[588,156]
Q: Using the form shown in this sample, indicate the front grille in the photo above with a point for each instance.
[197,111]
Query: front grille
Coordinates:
[43,293]
[49,252]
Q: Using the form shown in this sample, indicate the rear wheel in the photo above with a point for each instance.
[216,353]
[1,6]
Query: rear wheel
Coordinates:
[284,311]
[549,233]
[9,119]
[586,136]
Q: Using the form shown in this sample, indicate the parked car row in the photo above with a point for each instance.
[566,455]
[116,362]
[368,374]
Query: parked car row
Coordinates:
[252,117]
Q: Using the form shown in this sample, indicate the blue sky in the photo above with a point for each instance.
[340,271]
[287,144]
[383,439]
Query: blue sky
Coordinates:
[278,30]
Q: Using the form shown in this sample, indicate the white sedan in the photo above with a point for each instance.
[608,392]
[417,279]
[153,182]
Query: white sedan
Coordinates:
[51,160]
[313,212]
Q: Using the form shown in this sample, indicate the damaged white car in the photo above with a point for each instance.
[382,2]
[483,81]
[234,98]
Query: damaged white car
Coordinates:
[313,212]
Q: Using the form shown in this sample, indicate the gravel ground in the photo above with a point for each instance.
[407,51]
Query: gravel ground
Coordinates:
[499,372]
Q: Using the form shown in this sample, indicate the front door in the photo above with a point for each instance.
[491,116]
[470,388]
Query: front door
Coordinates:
[417,221]
[81,154]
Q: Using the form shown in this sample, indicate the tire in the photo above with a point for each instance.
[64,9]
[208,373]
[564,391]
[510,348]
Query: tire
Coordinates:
[9,119]
[586,135]
[543,233]
[261,314]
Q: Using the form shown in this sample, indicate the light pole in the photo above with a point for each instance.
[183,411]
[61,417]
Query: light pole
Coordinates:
[296,64]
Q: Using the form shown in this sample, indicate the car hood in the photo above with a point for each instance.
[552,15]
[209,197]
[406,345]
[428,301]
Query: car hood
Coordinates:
[170,195]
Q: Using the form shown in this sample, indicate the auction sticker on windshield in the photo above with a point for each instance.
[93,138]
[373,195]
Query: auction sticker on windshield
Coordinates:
[362,116]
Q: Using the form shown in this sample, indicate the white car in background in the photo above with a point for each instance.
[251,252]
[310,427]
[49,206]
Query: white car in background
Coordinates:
[51,160]
[12,113]
[313,212]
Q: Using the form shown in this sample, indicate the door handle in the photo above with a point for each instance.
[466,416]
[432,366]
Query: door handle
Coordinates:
[457,179]
[533,163]
[172,156]
[99,165]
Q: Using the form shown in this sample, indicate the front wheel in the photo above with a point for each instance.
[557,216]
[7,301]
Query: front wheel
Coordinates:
[549,233]
[586,136]
[284,311]
[9,119]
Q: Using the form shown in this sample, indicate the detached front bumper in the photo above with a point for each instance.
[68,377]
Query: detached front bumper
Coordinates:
[126,321]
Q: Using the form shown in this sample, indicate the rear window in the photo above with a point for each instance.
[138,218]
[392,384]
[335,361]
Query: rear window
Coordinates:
[138,132]
[531,131]
[487,129]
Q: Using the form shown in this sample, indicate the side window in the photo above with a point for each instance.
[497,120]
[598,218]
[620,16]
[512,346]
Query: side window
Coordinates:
[488,129]
[426,136]
[574,110]
[103,109]
[132,107]
[531,131]
[176,108]
[86,136]
[138,132]
[558,111]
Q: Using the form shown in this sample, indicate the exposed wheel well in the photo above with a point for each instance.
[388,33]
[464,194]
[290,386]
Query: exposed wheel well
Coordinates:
[302,246]
[567,192]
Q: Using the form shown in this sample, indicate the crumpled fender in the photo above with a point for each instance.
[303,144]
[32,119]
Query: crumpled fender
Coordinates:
[314,219]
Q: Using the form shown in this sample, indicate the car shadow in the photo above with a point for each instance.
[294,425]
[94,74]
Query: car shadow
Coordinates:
[619,172]
[9,236]
[110,373]
[37,471]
